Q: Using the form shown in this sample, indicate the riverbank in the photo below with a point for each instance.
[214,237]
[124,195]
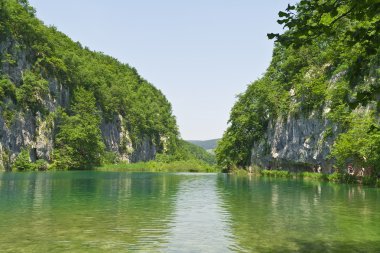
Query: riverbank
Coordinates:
[155,166]
[334,177]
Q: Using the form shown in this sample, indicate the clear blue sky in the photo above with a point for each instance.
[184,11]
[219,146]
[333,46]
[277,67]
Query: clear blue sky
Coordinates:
[200,53]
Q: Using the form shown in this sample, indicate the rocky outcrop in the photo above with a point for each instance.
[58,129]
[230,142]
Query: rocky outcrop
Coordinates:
[298,142]
[35,131]
[301,141]
[116,138]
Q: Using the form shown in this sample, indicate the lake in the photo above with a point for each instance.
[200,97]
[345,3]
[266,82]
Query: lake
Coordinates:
[92,211]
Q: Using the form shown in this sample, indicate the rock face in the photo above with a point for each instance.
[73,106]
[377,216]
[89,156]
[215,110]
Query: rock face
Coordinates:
[23,128]
[298,142]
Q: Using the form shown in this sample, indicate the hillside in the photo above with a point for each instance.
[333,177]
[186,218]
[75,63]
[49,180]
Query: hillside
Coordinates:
[189,152]
[318,103]
[67,106]
[206,144]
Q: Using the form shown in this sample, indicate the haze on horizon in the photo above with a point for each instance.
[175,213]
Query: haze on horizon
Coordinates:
[201,54]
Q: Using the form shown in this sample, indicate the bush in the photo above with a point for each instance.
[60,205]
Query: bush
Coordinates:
[40,165]
[360,144]
[334,177]
[32,91]
[275,173]
[156,166]
[109,157]
[78,144]
[23,162]
[366,180]
[313,175]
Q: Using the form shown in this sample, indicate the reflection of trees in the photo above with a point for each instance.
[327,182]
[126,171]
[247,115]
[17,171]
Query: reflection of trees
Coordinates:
[280,215]
[85,210]
[200,223]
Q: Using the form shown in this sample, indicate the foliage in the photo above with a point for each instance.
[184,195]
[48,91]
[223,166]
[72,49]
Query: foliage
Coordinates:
[48,57]
[7,88]
[360,145]
[328,59]
[207,144]
[248,120]
[275,173]
[23,162]
[40,165]
[159,166]
[310,19]
[190,151]
[109,157]
[78,143]
[32,91]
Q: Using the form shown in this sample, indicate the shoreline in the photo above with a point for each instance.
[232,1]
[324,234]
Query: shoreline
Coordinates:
[154,166]
[334,177]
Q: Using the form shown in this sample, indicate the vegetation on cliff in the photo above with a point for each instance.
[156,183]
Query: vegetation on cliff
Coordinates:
[74,90]
[326,64]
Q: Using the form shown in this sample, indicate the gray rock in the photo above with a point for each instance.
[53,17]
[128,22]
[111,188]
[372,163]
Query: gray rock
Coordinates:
[298,142]
[35,132]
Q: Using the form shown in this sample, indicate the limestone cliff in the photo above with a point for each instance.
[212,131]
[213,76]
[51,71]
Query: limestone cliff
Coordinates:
[315,107]
[303,141]
[135,116]
[31,130]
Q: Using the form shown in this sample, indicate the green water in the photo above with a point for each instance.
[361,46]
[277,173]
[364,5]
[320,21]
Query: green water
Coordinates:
[183,212]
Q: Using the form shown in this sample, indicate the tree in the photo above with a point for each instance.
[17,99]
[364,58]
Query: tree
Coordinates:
[78,143]
[310,19]
[22,162]
[32,92]
[360,145]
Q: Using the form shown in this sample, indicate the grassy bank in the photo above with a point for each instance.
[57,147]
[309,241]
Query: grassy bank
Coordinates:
[334,177]
[155,166]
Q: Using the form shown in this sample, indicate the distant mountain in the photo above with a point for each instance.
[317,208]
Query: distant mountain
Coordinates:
[207,144]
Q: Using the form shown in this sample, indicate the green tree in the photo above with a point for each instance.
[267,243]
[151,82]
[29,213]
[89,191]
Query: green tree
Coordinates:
[78,142]
[117,89]
[360,145]
[32,92]
[7,88]
[351,21]
[23,162]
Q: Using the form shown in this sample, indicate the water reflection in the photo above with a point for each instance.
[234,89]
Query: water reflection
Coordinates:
[85,211]
[150,212]
[200,223]
[279,215]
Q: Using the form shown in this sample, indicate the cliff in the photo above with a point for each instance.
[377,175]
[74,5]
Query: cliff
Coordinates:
[41,71]
[317,105]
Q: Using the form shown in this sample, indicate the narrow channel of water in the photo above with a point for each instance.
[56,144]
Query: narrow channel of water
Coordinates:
[183,212]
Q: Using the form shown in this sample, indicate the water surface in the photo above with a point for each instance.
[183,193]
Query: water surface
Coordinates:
[183,212]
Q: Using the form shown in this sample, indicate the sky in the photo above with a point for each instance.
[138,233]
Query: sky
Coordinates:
[201,53]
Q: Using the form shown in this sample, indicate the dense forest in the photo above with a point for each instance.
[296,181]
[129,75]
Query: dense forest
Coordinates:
[318,102]
[64,106]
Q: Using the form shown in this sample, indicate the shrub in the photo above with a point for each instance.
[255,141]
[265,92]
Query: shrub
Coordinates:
[334,177]
[40,165]
[23,162]
[367,180]
[275,173]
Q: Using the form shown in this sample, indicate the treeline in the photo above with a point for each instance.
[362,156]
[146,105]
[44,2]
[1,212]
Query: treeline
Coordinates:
[327,62]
